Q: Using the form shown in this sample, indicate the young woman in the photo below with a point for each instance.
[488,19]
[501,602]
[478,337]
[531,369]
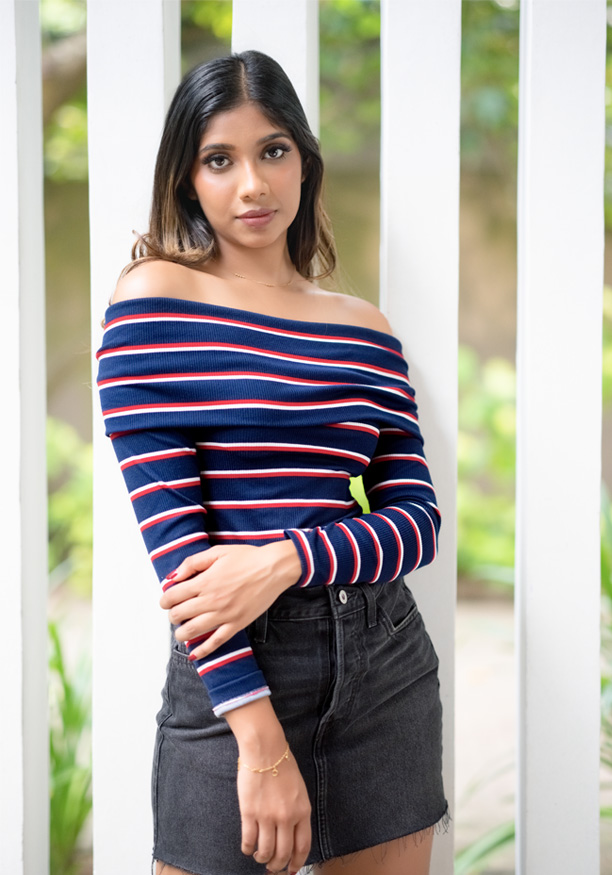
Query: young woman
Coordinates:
[241,398]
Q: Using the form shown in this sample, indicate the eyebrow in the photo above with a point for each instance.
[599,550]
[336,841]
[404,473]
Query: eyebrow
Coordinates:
[227,147]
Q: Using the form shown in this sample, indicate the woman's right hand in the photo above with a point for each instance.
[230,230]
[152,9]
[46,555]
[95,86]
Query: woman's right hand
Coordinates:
[275,814]
[274,809]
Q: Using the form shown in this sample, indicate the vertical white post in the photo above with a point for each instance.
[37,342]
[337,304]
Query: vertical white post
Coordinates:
[133,67]
[420,62]
[24,786]
[288,32]
[560,270]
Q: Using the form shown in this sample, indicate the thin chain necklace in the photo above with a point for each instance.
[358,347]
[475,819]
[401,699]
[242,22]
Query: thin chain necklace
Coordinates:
[241,276]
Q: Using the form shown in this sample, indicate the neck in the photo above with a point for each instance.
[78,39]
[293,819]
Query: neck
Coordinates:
[260,265]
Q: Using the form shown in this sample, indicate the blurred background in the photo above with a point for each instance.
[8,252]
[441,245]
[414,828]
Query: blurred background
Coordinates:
[350,130]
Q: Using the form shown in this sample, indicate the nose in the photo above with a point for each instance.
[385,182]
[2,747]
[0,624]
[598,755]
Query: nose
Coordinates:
[253,182]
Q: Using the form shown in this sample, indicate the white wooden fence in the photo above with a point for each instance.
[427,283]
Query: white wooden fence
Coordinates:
[133,63]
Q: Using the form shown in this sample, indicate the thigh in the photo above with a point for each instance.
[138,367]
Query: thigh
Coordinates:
[409,855]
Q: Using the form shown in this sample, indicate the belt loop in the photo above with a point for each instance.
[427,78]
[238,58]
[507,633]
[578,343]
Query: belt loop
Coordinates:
[260,628]
[370,605]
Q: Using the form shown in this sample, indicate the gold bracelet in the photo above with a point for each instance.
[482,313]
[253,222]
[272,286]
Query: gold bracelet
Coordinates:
[273,768]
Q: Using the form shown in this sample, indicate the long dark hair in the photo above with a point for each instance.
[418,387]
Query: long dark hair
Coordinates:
[178,229]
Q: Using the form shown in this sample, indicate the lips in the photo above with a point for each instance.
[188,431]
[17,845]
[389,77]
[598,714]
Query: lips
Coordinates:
[257,218]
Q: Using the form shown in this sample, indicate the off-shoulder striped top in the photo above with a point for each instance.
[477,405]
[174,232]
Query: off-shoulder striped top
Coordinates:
[238,428]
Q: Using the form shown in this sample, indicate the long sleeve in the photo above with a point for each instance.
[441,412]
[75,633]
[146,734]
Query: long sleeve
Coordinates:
[396,537]
[161,473]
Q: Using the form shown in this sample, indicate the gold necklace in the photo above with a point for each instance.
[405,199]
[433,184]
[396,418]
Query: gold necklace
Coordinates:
[241,276]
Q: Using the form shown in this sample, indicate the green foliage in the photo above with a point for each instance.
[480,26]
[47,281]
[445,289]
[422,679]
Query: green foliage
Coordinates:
[350,76]
[489,87]
[486,461]
[209,15]
[69,468]
[60,18]
[65,149]
[69,749]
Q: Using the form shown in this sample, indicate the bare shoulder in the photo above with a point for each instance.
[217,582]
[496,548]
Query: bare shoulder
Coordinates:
[152,279]
[351,310]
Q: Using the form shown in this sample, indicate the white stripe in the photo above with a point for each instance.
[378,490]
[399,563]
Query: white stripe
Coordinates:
[220,709]
[400,482]
[306,547]
[418,532]
[226,445]
[176,543]
[166,484]
[145,456]
[248,534]
[276,332]
[269,471]
[189,378]
[399,537]
[334,559]
[263,502]
[170,513]
[219,659]
[304,360]
[351,538]
[413,456]
[254,405]
[380,554]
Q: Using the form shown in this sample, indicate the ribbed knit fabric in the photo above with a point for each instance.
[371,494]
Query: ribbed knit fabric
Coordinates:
[237,428]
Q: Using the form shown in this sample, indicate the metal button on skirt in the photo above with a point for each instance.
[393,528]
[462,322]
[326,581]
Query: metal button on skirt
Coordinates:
[354,682]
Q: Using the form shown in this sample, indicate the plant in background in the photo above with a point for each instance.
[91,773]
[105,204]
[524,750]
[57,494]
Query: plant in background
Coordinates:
[70,775]
[486,463]
[69,472]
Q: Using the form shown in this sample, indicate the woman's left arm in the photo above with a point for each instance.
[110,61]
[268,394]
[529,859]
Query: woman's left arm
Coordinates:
[399,534]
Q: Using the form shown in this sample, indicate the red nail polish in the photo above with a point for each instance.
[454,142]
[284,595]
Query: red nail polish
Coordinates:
[192,657]
[172,574]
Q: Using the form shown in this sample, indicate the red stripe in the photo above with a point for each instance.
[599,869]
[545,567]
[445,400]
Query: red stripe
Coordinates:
[171,516]
[260,402]
[208,374]
[306,554]
[398,543]
[205,668]
[178,546]
[156,486]
[372,534]
[153,457]
[417,533]
[278,331]
[348,534]
[330,555]
[239,347]
[250,475]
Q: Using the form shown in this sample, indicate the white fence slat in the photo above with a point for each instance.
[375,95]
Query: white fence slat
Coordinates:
[288,32]
[133,67]
[560,268]
[24,842]
[420,61]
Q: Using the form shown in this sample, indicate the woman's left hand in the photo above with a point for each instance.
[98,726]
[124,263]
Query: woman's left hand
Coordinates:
[219,591]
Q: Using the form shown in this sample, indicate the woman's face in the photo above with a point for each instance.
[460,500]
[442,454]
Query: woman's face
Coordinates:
[247,177]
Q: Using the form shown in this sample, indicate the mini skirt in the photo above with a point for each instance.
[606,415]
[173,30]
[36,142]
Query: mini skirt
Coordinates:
[354,681]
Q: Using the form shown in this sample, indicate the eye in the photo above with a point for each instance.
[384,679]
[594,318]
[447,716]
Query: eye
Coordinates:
[277,151]
[217,162]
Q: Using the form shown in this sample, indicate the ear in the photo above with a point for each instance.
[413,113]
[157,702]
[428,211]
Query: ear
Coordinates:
[189,190]
[305,169]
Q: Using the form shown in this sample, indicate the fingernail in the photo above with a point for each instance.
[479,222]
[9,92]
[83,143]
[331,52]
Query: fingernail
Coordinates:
[192,657]
[172,574]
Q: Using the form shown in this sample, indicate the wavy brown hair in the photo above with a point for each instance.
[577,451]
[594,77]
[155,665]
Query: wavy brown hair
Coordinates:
[178,228]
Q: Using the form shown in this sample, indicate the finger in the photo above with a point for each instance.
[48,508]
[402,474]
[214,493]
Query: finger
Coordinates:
[284,847]
[175,593]
[192,564]
[191,608]
[249,836]
[302,839]
[197,628]
[265,842]
[213,640]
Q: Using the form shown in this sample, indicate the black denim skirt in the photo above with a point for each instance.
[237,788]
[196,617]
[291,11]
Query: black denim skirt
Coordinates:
[354,682]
